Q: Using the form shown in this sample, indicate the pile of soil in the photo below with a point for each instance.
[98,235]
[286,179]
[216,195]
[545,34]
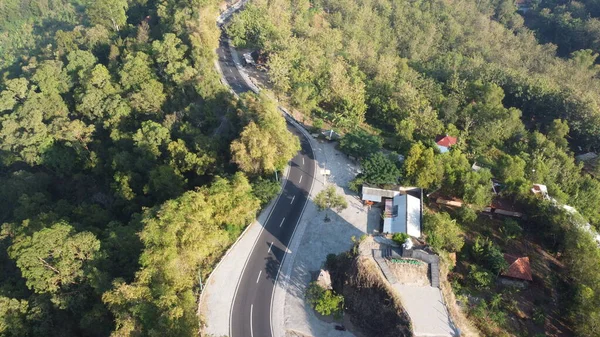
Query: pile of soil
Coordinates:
[372,308]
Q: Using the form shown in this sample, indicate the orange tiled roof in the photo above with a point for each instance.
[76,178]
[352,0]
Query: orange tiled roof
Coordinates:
[518,267]
[445,141]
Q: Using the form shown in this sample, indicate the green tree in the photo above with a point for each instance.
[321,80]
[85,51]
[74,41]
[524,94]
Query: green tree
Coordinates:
[360,144]
[557,132]
[329,199]
[13,317]
[442,232]
[421,168]
[50,77]
[180,238]
[151,139]
[165,183]
[380,169]
[56,260]
[477,188]
[265,145]
[108,13]
[15,92]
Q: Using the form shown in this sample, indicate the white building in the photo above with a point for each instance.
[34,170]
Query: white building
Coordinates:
[403,215]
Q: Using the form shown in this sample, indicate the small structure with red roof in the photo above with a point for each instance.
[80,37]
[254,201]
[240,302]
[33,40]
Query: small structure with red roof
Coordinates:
[445,142]
[519,270]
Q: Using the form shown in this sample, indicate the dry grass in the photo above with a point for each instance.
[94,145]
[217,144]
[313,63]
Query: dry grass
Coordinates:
[410,274]
[459,318]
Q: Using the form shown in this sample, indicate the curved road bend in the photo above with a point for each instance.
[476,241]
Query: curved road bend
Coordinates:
[251,307]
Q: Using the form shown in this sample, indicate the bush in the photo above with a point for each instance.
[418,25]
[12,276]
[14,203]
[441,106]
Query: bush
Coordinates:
[539,316]
[318,124]
[466,215]
[480,278]
[324,301]
[489,255]
[355,185]
[400,238]
[511,230]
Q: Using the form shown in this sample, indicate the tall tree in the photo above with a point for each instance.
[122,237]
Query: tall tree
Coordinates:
[108,13]
[380,169]
[265,145]
[421,168]
[56,260]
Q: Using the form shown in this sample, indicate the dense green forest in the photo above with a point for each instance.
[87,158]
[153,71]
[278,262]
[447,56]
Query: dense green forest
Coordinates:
[407,71]
[123,165]
[572,25]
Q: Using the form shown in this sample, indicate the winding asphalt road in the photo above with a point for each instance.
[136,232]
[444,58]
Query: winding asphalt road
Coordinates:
[251,307]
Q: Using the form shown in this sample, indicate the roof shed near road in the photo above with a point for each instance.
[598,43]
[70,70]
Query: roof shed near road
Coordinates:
[376,194]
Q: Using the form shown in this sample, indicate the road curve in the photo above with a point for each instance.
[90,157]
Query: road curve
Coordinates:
[251,307]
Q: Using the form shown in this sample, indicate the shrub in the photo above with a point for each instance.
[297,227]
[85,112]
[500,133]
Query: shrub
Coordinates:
[511,230]
[355,184]
[400,238]
[325,302]
[480,278]
[318,124]
[330,262]
[486,253]
[466,215]
[539,317]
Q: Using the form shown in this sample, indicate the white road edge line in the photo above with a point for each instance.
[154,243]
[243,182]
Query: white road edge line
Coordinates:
[300,180]
[282,220]
[258,278]
[271,245]
[251,330]
[291,202]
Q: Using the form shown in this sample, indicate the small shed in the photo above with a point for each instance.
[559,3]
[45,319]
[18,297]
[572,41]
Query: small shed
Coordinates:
[444,142]
[372,194]
[518,268]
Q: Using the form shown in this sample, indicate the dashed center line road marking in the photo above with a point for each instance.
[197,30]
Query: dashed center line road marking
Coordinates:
[300,180]
[251,329]
[258,278]
[282,220]
[294,197]
[302,160]
[271,245]
[230,70]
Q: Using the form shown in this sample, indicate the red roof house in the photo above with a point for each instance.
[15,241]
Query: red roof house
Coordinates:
[445,142]
[518,268]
